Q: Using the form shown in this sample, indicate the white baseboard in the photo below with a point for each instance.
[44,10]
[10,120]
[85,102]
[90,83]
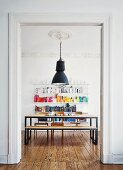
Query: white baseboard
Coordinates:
[113,159]
[3,159]
[107,159]
[118,158]
[13,159]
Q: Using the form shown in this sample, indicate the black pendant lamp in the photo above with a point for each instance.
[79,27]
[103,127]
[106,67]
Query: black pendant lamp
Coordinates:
[60,78]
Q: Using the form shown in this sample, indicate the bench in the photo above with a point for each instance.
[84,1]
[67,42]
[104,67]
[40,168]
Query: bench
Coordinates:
[93,131]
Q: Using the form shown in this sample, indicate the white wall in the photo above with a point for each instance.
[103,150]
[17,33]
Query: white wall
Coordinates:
[81,53]
[113,8]
[79,69]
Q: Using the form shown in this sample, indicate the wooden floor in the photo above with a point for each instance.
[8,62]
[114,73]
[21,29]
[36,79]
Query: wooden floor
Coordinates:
[71,151]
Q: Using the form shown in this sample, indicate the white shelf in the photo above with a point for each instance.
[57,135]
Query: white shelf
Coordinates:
[61,102]
[62,94]
[51,85]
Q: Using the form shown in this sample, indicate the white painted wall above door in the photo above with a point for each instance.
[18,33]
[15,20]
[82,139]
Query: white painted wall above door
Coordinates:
[83,42]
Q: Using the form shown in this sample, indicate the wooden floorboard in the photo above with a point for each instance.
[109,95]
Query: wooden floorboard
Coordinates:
[71,151]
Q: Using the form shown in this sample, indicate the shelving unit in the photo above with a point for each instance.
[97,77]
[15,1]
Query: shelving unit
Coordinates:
[53,98]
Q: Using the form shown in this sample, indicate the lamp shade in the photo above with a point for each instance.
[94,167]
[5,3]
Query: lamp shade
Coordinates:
[60,77]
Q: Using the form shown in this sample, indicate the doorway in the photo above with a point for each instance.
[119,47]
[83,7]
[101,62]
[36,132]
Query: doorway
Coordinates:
[15,81]
[81,53]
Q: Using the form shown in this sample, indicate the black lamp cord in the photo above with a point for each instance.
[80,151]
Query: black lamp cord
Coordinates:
[60,50]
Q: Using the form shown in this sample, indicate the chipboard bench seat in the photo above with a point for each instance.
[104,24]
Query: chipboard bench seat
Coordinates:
[92,129]
[60,128]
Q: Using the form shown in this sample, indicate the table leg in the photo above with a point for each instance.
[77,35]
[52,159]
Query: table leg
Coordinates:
[30,125]
[25,139]
[96,131]
[92,134]
[95,139]
[91,130]
[28,136]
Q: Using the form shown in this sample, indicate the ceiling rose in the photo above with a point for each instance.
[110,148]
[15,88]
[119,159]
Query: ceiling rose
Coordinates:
[59,35]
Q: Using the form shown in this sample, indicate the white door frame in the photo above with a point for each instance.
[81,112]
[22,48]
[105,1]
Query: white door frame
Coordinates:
[15,22]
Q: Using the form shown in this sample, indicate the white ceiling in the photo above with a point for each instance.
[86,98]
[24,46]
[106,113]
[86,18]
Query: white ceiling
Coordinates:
[84,41]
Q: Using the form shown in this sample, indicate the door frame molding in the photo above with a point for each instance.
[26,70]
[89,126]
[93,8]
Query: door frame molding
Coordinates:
[16,20]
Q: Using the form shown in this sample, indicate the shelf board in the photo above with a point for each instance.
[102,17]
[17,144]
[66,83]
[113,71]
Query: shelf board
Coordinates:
[51,85]
[54,94]
[62,102]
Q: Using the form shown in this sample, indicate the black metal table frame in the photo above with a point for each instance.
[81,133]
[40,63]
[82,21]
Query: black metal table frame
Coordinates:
[93,132]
